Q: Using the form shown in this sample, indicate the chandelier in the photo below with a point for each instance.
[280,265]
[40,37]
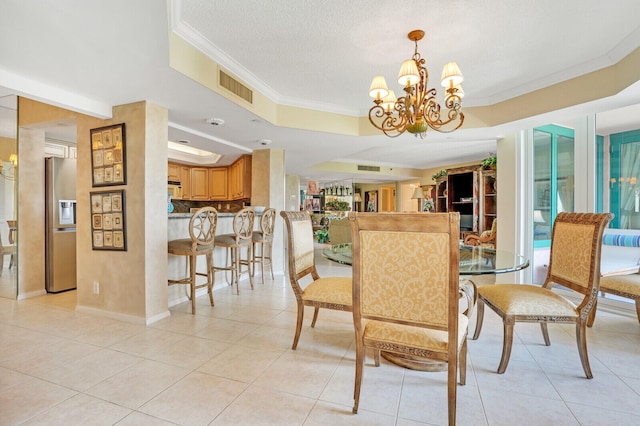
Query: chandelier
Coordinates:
[419,108]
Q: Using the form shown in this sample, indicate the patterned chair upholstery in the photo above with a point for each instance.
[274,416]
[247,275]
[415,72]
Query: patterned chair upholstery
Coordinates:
[574,263]
[327,292]
[406,292]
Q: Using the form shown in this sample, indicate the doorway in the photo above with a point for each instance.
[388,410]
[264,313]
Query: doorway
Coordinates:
[387,198]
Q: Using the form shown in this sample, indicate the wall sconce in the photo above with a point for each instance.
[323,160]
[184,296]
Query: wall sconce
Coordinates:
[13,159]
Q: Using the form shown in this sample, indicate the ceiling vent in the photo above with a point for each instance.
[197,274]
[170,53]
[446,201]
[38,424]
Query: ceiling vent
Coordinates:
[235,87]
[368,168]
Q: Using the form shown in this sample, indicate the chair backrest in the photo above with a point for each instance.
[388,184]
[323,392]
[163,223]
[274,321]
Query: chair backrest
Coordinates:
[406,269]
[268,222]
[576,243]
[300,243]
[202,227]
[243,225]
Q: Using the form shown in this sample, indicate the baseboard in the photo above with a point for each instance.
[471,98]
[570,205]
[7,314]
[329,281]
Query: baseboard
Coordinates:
[132,319]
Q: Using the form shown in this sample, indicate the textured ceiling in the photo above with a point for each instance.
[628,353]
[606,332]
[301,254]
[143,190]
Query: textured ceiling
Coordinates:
[313,54]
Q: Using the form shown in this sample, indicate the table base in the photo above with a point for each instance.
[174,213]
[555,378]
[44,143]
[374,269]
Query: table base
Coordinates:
[414,362]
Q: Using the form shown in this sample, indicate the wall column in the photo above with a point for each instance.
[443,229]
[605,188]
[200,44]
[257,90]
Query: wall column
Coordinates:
[267,189]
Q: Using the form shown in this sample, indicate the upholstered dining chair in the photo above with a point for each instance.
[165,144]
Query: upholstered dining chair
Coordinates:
[263,242]
[574,263]
[327,292]
[406,292]
[234,244]
[202,231]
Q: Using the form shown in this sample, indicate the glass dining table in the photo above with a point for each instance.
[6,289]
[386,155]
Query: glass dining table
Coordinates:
[474,260]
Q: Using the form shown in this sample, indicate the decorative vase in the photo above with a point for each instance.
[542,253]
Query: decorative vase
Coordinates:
[169,204]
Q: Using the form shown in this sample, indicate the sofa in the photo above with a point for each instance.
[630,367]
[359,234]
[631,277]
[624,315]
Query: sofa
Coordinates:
[620,264]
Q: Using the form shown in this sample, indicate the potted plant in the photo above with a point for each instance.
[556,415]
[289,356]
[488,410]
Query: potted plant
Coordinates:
[490,163]
[438,175]
[322,236]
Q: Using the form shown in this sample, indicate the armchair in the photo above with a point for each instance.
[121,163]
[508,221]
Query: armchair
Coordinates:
[487,238]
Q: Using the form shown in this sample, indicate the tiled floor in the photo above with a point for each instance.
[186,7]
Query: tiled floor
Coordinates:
[232,364]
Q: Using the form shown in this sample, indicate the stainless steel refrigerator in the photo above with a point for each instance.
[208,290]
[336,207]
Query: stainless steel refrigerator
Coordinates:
[60,224]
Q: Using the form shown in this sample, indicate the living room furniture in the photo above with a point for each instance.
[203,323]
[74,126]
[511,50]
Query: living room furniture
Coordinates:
[574,263]
[202,230]
[339,231]
[406,292]
[486,238]
[328,292]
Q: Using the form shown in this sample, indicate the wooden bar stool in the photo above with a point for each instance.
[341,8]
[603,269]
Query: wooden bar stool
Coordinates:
[202,230]
[234,243]
[264,239]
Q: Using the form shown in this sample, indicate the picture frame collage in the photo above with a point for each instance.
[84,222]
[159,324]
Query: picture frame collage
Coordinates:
[108,168]
[108,161]
[108,229]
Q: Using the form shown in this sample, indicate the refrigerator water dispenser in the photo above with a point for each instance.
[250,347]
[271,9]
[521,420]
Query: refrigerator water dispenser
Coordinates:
[67,212]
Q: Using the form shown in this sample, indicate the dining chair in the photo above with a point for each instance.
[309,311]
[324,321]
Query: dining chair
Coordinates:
[328,292]
[574,264]
[234,244]
[406,292]
[202,230]
[263,239]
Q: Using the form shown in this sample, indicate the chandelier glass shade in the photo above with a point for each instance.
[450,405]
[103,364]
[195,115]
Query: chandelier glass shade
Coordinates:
[419,108]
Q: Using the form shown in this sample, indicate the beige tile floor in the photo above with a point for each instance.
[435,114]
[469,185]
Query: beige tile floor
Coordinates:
[232,364]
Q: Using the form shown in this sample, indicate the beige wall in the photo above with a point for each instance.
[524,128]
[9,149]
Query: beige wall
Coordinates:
[268,189]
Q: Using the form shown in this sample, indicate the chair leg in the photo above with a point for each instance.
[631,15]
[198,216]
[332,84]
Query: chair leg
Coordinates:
[638,309]
[376,357]
[269,249]
[298,325]
[315,316]
[545,333]
[249,256]
[462,360]
[581,337]
[452,389]
[479,319]
[506,346]
[236,268]
[192,274]
[359,367]
[210,277]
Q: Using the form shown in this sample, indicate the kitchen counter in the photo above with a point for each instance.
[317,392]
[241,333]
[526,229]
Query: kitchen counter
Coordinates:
[178,228]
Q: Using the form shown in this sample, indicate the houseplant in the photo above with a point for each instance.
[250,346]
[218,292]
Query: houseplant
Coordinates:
[490,162]
[438,175]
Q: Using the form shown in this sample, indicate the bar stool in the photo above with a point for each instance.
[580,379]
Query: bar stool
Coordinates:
[202,230]
[264,238]
[234,243]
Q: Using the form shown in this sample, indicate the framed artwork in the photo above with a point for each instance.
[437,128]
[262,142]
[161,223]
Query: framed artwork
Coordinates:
[108,163]
[108,230]
[372,201]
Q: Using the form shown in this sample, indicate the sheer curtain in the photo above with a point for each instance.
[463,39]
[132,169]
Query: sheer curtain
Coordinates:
[629,189]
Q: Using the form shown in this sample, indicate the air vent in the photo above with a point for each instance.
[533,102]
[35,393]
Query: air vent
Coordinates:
[235,87]
[368,168]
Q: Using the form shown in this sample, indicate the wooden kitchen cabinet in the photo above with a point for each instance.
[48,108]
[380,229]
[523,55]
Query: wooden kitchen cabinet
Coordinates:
[199,189]
[173,172]
[240,178]
[218,183]
[185,179]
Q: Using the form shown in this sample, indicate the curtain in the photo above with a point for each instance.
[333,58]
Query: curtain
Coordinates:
[629,189]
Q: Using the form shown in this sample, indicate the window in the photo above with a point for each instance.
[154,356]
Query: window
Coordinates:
[553,149]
